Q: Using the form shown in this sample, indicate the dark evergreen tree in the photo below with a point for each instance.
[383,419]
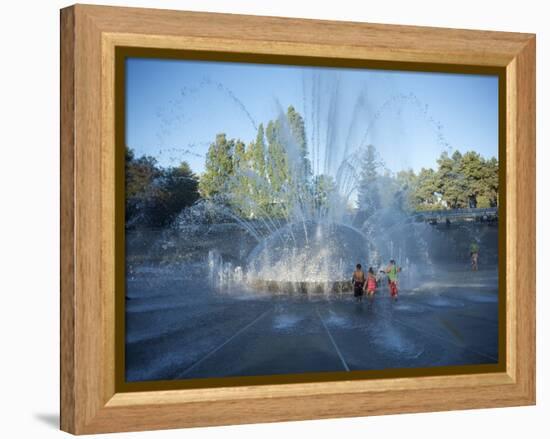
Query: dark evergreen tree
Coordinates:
[368,190]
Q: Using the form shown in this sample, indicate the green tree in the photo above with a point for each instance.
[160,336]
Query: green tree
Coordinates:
[490,179]
[451,183]
[240,184]
[260,194]
[324,189]
[141,189]
[368,190]
[298,132]
[155,196]
[423,195]
[269,177]
[301,193]
[472,167]
[178,189]
[405,185]
[257,151]
[460,181]
[278,170]
[140,173]
[219,167]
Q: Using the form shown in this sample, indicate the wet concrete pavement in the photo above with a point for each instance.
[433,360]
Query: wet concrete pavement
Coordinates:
[179,329]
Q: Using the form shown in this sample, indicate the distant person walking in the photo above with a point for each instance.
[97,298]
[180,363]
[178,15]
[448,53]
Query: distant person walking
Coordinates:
[358,280]
[474,255]
[392,271]
[371,283]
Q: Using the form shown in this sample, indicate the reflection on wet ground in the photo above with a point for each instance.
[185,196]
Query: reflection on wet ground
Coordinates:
[180,328]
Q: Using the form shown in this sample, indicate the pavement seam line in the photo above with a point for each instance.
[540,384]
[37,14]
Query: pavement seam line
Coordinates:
[332,341]
[213,351]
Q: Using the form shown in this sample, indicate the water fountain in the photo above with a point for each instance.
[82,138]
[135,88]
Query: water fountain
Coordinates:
[243,286]
[310,249]
[309,257]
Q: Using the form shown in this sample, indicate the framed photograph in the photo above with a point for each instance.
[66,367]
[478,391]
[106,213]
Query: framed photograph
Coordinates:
[268,219]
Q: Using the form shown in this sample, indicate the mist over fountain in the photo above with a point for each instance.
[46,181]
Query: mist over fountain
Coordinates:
[313,246]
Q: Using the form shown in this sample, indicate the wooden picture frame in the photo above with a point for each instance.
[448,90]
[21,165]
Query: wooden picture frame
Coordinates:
[90,36]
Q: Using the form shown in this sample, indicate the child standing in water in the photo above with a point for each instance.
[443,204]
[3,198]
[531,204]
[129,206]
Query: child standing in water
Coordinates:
[358,280]
[370,285]
[392,271]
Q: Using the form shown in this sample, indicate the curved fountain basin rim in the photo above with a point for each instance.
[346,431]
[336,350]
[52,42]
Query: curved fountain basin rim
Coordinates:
[299,224]
[305,281]
[320,287]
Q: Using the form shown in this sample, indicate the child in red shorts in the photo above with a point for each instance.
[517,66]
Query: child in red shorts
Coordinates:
[371,283]
[392,271]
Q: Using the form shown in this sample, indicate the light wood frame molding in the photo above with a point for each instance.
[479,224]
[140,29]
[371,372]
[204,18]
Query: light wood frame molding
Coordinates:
[89,36]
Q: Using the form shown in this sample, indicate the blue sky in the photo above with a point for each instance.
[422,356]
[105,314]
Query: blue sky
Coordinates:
[175,109]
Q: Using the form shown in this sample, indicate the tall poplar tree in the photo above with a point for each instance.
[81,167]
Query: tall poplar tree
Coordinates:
[218,167]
